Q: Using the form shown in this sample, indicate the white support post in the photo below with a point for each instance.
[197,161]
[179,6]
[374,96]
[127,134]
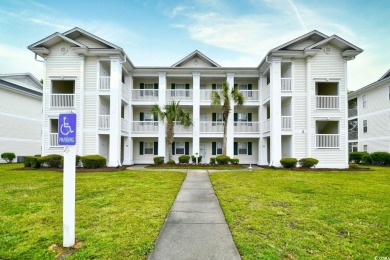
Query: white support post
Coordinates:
[262,157]
[344,128]
[276,110]
[309,107]
[115,112]
[196,113]
[230,130]
[128,154]
[162,86]
[69,195]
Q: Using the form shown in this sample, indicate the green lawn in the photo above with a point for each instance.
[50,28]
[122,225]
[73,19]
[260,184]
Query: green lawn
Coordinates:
[118,214]
[278,214]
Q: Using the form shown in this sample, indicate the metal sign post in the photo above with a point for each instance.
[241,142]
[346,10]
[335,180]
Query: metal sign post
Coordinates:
[67,138]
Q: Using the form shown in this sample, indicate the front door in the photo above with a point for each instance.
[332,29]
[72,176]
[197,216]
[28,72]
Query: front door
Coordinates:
[203,152]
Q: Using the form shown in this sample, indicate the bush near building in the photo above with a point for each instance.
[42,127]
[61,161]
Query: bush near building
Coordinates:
[289,162]
[93,161]
[308,162]
[8,157]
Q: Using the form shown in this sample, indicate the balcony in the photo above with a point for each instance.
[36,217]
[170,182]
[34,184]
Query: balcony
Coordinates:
[211,127]
[286,122]
[104,122]
[125,91]
[142,127]
[179,94]
[179,128]
[327,102]
[286,85]
[266,92]
[104,83]
[246,127]
[145,94]
[353,135]
[124,125]
[250,95]
[327,141]
[62,100]
[53,140]
[205,94]
[352,112]
[266,125]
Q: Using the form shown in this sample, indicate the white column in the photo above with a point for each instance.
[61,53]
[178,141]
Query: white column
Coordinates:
[196,112]
[115,112]
[162,86]
[128,155]
[262,157]
[276,112]
[80,145]
[230,130]
[309,96]
[344,128]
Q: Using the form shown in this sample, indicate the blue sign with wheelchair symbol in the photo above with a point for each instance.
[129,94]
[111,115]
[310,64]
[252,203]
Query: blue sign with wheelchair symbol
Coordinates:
[67,129]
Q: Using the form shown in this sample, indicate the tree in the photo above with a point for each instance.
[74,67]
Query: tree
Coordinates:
[223,98]
[172,112]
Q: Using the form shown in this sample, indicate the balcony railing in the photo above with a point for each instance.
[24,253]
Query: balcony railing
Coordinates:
[250,95]
[286,84]
[141,127]
[327,141]
[124,125]
[179,94]
[352,112]
[246,127]
[104,122]
[211,127]
[125,91]
[53,139]
[62,100]
[145,94]
[353,135]
[327,102]
[266,125]
[179,128]
[104,83]
[266,92]
[205,94]
[286,122]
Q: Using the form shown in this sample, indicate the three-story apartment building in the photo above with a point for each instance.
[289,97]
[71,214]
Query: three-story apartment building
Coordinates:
[295,106]
[369,117]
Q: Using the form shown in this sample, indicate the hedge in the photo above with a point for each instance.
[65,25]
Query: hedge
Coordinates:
[158,160]
[184,159]
[289,162]
[51,160]
[234,161]
[171,162]
[308,162]
[8,157]
[222,159]
[212,160]
[380,158]
[93,161]
[193,158]
[356,156]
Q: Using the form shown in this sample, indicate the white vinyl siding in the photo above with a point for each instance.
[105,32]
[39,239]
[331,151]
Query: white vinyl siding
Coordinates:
[364,98]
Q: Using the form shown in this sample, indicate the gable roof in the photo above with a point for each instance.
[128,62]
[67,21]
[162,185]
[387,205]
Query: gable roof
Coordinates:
[76,32]
[22,82]
[193,55]
[314,35]
[386,75]
[385,79]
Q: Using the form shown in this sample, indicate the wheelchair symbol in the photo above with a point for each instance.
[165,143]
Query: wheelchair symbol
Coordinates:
[65,128]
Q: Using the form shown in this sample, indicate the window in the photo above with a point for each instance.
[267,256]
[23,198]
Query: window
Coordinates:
[149,89]
[246,89]
[217,119]
[148,148]
[353,147]
[243,119]
[219,148]
[365,148]
[216,86]
[364,101]
[242,148]
[148,116]
[365,126]
[216,148]
[179,148]
[180,90]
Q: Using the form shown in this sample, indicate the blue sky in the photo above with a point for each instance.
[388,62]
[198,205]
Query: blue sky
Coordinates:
[232,33]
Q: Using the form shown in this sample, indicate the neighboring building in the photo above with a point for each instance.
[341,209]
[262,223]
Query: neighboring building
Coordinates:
[296,101]
[20,114]
[369,117]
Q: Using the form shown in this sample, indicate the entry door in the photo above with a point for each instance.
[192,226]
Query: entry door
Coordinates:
[203,152]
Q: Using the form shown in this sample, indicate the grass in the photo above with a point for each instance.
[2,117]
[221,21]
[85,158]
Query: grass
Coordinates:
[118,214]
[196,167]
[279,214]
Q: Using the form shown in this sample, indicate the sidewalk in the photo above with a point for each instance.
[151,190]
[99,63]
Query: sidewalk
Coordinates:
[195,227]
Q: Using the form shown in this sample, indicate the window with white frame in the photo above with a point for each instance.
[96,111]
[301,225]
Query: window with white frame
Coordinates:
[180,90]
[365,148]
[148,147]
[179,148]
[242,148]
[148,116]
[353,147]
[365,126]
[245,88]
[149,89]
[219,148]
[216,86]
[219,118]
[364,101]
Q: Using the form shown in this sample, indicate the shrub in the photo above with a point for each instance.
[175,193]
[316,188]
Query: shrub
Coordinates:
[193,158]
[158,160]
[27,161]
[308,162]
[289,162]
[380,158]
[78,158]
[366,159]
[184,159]
[34,161]
[51,160]
[171,162]
[93,161]
[222,159]
[356,156]
[37,155]
[234,161]
[212,160]
[8,157]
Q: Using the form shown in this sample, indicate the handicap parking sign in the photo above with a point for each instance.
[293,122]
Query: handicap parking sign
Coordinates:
[67,129]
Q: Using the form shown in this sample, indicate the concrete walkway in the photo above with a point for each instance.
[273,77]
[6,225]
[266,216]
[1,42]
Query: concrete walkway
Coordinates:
[195,227]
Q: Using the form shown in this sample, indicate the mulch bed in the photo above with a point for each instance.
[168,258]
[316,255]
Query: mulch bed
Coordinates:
[300,169]
[104,169]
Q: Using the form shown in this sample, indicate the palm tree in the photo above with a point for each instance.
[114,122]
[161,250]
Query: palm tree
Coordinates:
[173,112]
[223,98]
